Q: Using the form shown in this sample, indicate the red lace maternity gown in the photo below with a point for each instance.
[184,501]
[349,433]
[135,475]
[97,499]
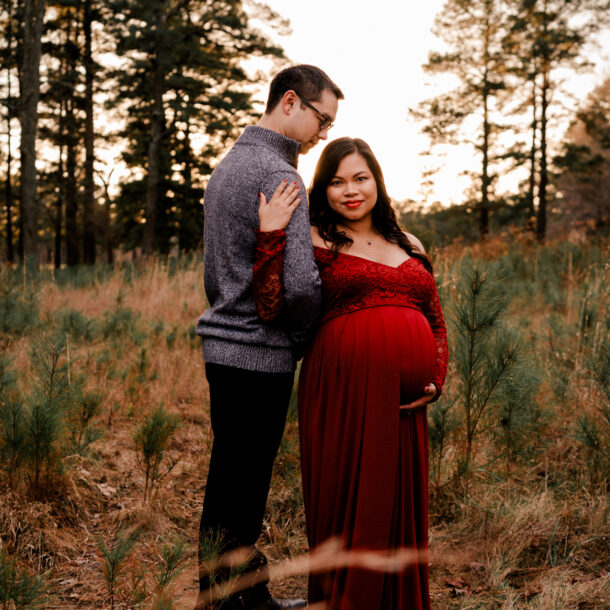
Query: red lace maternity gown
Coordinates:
[364,462]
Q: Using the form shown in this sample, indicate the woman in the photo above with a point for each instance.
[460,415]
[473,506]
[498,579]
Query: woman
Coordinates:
[379,357]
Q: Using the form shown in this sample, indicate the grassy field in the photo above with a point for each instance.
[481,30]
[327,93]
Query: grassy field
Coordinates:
[105,435]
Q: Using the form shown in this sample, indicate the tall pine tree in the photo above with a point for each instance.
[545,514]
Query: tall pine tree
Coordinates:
[186,95]
[473,31]
[545,36]
[62,121]
[29,91]
[8,61]
[584,164]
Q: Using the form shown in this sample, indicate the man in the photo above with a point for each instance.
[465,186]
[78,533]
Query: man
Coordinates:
[250,363]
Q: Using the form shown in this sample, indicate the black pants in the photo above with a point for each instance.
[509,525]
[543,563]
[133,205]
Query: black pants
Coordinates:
[248,412]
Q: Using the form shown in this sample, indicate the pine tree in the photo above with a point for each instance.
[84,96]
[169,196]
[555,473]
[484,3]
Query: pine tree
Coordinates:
[584,163]
[8,58]
[181,81]
[29,91]
[62,122]
[114,556]
[484,351]
[518,416]
[45,416]
[473,30]
[549,35]
[88,18]
[151,440]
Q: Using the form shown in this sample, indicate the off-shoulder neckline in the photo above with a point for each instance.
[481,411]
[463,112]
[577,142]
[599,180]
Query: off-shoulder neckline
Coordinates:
[369,260]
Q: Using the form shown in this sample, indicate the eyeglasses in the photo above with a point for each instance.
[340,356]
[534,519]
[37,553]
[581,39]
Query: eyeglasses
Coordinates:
[325,121]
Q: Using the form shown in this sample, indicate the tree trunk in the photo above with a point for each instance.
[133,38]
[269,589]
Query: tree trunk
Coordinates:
[532,179]
[8,193]
[484,211]
[106,228]
[8,189]
[29,93]
[188,187]
[59,203]
[72,141]
[544,179]
[157,124]
[108,233]
[89,195]
[72,239]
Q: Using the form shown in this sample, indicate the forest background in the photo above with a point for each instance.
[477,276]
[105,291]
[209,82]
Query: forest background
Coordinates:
[103,411]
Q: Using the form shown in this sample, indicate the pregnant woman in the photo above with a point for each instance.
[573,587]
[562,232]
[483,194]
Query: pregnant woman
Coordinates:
[378,358]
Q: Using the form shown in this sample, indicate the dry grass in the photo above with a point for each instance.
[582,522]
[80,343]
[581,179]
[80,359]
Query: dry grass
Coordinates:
[538,540]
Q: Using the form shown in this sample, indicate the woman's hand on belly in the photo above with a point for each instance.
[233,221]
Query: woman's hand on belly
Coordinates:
[430,392]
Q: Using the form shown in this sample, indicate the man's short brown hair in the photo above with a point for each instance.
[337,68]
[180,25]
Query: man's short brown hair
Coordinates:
[305,80]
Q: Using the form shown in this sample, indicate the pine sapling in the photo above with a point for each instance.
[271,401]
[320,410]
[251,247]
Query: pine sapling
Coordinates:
[12,437]
[46,412]
[172,553]
[84,407]
[595,437]
[151,439]
[113,557]
[483,352]
[442,423]
[12,422]
[518,417]
[211,570]
[8,378]
[19,589]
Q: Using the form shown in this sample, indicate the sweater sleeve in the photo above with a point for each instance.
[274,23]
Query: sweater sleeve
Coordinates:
[267,271]
[302,286]
[434,314]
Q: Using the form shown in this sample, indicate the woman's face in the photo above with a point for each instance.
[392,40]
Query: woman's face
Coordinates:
[352,192]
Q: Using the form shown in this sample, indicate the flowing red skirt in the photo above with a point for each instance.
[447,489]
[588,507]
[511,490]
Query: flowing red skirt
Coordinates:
[364,462]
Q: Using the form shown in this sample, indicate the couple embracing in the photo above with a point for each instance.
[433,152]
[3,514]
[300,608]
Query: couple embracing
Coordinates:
[340,283]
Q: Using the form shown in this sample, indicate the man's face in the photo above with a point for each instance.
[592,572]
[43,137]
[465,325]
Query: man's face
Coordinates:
[305,122]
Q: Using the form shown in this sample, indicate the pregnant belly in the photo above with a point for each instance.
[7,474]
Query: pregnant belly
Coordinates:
[397,338]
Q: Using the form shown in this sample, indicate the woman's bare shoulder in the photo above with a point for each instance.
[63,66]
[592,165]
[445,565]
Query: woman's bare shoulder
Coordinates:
[316,239]
[415,242]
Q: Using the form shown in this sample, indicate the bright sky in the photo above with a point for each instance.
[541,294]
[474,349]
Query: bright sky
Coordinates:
[374,49]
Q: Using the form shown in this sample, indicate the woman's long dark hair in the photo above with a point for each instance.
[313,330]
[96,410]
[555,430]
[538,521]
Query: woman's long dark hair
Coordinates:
[326,220]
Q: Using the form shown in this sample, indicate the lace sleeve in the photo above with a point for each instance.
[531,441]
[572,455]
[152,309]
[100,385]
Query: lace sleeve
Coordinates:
[437,322]
[267,271]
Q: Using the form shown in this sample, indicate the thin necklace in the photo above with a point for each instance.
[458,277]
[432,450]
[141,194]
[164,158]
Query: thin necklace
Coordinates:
[368,241]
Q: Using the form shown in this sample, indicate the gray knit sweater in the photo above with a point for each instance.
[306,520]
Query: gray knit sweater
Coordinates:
[232,332]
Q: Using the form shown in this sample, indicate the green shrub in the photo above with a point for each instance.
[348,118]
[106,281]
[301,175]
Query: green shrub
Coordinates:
[171,336]
[18,306]
[53,420]
[82,433]
[121,323]
[75,324]
[519,419]
[12,438]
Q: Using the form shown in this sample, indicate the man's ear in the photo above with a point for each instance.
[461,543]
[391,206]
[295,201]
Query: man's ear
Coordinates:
[289,101]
